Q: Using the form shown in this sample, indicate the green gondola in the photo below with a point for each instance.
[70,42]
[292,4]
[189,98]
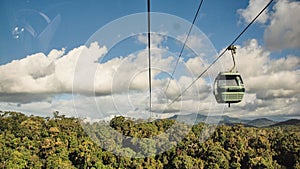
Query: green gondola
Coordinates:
[229,86]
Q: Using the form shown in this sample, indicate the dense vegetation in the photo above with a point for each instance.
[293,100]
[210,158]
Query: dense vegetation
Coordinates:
[61,142]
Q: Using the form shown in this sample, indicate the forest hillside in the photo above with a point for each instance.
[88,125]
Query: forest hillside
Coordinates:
[63,142]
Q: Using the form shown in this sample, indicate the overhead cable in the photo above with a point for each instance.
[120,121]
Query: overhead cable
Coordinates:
[183,46]
[198,77]
[149,58]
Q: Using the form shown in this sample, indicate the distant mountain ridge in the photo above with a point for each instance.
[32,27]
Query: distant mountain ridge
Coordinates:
[291,122]
[195,118]
[261,122]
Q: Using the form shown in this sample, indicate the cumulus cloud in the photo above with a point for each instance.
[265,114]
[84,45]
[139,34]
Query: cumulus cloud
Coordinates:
[254,7]
[278,109]
[284,29]
[282,24]
[38,75]
[119,86]
[132,72]
[193,42]
[155,40]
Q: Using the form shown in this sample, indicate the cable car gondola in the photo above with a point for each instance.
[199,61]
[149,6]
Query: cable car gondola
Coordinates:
[229,86]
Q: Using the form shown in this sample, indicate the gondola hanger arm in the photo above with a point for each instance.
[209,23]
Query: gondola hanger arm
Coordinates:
[232,48]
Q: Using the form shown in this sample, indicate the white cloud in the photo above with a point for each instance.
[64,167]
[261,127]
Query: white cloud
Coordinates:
[121,83]
[284,29]
[155,39]
[279,108]
[282,24]
[196,65]
[193,42]
[38,75]
[253,8]
[272,84]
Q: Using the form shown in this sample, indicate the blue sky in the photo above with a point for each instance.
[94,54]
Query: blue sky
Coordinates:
[79,20]
[46,35]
